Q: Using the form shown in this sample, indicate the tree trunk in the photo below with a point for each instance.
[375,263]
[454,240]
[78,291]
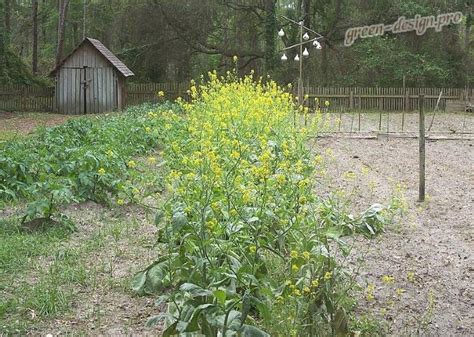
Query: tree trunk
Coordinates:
[306,10]
[63,6]
[270,31]
[8,13]
[44,16]
[467,32]
[35,37]
[3,66]
[324,67]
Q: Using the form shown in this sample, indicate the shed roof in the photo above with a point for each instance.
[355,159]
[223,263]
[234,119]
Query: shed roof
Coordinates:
[105,52]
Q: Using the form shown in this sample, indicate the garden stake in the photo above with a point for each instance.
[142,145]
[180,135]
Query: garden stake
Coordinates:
[421,189]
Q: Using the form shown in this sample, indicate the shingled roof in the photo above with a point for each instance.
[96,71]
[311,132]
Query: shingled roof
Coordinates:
[106,53]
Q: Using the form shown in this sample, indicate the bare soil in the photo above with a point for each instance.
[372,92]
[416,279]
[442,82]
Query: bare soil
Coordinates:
[440,122]
[434,241]
[25,123]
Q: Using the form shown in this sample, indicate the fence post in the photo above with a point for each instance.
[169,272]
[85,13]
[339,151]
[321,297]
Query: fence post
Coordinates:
[407,100]
[351,100]
[421,187]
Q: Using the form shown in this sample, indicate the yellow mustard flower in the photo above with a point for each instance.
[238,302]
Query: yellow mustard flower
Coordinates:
[211,224]
[280,178]
[370,292]
[101,171]
[235,155]
[306,255]
[387,279]
[399,291]
[327,275]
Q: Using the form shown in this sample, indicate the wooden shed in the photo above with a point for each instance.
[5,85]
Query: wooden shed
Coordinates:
[90,80]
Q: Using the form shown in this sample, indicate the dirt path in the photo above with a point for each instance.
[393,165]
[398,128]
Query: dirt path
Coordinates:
[434,242]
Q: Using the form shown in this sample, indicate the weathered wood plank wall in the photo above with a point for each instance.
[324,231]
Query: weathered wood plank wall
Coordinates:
[101,80]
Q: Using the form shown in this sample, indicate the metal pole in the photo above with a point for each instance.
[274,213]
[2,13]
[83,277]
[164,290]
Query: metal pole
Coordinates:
[300,79]
[84,20]
[421,188]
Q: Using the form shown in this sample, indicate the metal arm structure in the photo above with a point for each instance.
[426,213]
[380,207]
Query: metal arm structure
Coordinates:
[304,39]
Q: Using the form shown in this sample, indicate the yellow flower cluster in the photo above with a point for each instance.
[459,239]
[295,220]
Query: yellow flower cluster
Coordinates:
[387,279]
[370,292]
[239,170]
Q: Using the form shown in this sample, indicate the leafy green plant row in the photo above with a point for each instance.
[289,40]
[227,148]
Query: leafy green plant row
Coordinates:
[248,247]
[84,159]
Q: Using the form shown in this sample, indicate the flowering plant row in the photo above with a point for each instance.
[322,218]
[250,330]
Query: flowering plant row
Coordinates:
[246,246]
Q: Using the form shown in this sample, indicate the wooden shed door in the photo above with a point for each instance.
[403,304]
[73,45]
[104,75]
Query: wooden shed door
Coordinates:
[69,91]
[100,90]
[85,90]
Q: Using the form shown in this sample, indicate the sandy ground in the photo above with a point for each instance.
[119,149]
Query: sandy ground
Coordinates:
[399,122]
[434,241]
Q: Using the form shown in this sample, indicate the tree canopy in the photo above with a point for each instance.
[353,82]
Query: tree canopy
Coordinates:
[174,41]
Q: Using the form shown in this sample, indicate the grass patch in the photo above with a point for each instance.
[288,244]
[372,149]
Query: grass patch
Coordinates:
[18,246]
[44,274]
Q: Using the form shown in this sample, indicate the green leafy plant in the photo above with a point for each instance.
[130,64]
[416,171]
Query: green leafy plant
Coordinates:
[84,159]
[247,247]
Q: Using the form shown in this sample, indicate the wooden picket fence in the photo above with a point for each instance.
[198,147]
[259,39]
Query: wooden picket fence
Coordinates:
[26,98]
[385,99]
[33,98]
[148,92]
